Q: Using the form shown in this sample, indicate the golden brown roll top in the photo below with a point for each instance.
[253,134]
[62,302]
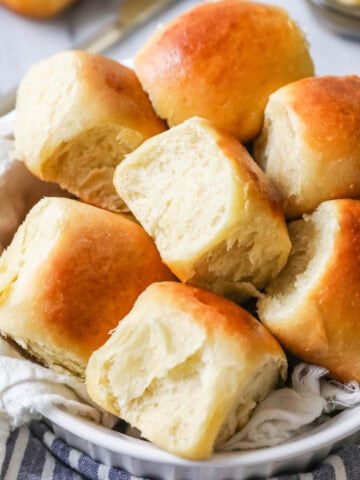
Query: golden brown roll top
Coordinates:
[310,144]
[210,209]
[37,8]
[70,274]
[78,114]
[186,367]
[221,61]
[313,306]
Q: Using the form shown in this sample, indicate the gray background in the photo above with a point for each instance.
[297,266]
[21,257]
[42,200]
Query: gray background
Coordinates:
[23,41]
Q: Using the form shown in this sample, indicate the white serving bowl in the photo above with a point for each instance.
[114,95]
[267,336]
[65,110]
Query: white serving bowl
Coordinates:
[144,459]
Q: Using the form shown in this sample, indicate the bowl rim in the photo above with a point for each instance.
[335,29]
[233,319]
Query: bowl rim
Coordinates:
[338,427]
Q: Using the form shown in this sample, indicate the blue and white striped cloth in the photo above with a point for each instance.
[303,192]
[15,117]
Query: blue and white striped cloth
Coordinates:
[34,453]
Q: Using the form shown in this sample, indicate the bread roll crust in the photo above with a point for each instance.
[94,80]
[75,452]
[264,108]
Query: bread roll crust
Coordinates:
[323,123]
[37,8]
[322,325]
[214,62]
[329,108]
[78,114]
[181,363]
[71,273]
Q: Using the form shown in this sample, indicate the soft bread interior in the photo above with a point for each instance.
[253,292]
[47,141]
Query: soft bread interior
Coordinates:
[211,226]
[313,239]
[85,164]
[281,153]
[256,389]
[243,263]
[177,382]
[276,150]
[170,180]
[180,404]
[277,147]
[19,262]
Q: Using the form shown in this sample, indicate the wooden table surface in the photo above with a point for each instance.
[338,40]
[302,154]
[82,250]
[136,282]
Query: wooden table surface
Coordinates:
[23,41]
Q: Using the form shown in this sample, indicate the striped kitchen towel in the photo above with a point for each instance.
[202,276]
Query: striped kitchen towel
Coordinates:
[34,453]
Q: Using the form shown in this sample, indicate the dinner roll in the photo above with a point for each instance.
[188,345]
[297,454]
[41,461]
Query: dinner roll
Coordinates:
[186,367]
[208,206]
[37,8]
[221,60]
[19,189]
[70,274]
[313,306]
[78,114]
[310,144]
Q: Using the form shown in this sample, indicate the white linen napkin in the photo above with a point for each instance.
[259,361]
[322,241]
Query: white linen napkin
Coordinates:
[289,412]
[27,388]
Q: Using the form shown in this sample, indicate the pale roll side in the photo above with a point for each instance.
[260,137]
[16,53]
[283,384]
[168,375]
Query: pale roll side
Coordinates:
[313,306]
[310,143]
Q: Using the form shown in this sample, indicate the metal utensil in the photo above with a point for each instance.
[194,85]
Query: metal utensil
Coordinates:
[342,19]
[345,9]
[131,15]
